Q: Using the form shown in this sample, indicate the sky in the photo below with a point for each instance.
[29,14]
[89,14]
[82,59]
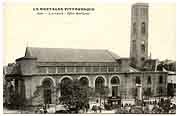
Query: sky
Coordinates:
[108,27]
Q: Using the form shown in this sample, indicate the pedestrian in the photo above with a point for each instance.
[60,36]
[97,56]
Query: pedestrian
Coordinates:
[45,109]
[100,109]
[87,107]
[97,101]
[94,108]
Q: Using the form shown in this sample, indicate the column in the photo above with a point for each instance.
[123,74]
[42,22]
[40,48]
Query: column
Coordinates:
[139,91]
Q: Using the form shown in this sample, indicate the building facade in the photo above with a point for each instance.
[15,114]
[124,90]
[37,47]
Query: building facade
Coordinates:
[36,76]
[38,69]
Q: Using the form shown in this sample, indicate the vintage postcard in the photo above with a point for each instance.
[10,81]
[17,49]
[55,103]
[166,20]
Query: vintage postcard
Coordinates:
[89,58]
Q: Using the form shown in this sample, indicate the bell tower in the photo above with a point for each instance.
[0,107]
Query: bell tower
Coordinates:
[139,34]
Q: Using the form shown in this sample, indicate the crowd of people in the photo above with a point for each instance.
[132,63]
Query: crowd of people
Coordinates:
[161,107]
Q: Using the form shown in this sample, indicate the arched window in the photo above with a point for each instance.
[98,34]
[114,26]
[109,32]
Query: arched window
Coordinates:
[64,89]
[99,84]
[143,46]
[84,81]
[143,27]
[115,80]
[115,85]
[65,81]
[47,86]
[149,80]
[134,28]
[47,83]
[138,80]
[160,79]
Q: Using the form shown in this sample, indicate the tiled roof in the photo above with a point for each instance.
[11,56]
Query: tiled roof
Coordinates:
[70,55]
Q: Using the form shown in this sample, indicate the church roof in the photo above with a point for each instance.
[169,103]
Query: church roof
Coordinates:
[70,55]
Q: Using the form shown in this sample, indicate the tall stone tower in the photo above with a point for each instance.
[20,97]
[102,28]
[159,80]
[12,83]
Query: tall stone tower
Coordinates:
[139,34]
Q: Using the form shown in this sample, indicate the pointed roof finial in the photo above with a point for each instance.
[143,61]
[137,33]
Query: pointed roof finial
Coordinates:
[27,52]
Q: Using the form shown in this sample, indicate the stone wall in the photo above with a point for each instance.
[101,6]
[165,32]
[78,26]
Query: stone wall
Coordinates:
[127,87]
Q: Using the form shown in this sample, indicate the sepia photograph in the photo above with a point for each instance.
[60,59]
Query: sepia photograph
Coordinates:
[89,58]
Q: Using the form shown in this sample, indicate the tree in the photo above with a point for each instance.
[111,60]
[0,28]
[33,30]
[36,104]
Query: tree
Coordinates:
[13,98]
[74,96]
[37,97]
[103,93]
